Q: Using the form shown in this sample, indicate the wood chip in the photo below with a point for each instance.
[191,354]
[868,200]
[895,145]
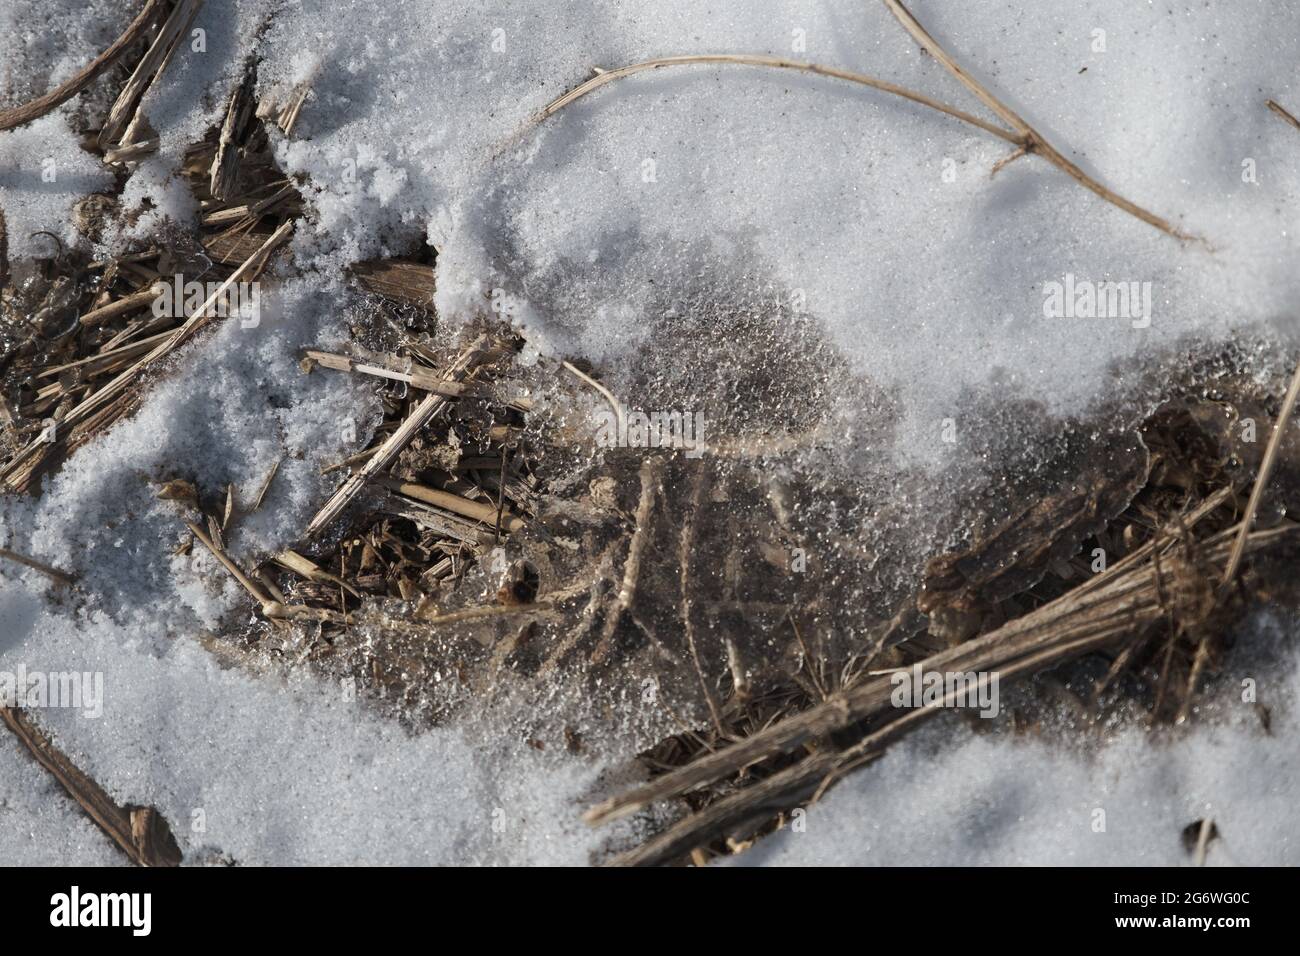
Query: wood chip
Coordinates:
[141,832]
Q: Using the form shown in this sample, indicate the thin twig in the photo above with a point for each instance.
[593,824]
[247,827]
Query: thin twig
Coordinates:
[478,510]
[620,414]
[1203,841]
[1029,137]
[140,832]
[59,577]
[684,554]
[416,378]
[1281,111]
[501,492]
[1261,480]
[744,59]
[486,611]
[306,568]
[249,585]
[60,94]
[1008,160]
[1193,678]
[266,485]
[136,300]
[651,470]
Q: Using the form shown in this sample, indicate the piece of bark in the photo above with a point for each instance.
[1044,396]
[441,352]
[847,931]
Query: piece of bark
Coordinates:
[225,163]
[141,832]
[404,282]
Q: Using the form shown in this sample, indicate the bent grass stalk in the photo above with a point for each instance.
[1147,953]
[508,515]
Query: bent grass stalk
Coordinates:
[1022,135]
[38,107]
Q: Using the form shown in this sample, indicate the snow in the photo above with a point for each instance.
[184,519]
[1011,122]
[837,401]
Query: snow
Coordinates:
[274,772]
[43,172]
[645,210]
[251,771]
[39,826]
[950,796]
[780,188]
[628,229]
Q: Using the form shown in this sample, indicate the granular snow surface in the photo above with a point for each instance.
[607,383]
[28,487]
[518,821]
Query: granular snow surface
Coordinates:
[618,230]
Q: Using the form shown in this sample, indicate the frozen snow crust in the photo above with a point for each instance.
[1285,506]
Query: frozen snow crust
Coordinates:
[632,229]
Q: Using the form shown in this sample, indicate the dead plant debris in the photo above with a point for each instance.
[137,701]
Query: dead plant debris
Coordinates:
[469,545]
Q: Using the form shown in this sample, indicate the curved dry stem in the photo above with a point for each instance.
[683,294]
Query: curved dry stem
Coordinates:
[1033,140]
[60,94]
[773,62]
[620,414]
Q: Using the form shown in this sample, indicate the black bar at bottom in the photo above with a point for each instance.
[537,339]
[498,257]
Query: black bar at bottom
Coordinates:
[335,906]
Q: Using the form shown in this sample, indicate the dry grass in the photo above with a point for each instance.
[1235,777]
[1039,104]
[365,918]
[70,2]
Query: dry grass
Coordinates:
[1158,615]
[432,514]
[779,63]
[87,75]
[1026,139]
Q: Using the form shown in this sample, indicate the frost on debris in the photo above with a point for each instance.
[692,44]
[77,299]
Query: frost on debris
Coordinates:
[955,795]
[828,275]
[874,217]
